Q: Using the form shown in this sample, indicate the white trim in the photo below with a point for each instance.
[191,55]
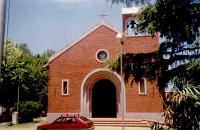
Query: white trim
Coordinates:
[99,59]
[145,87]
[133,10]
[84,104]
[102,23]
[65,80]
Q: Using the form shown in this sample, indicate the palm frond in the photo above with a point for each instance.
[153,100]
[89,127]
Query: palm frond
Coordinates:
[195,65]
[182,107]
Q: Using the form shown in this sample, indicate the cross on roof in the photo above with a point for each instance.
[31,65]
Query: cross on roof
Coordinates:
[102,15]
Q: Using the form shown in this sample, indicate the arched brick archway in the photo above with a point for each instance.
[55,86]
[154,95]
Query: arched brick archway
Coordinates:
[88,83]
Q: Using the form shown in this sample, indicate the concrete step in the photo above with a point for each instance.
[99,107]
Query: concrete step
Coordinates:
[118,122]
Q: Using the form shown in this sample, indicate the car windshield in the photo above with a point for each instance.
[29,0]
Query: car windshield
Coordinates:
[64,120]
[84,119]
[59,120]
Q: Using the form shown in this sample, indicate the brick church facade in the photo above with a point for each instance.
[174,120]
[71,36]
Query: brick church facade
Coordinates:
[79,82]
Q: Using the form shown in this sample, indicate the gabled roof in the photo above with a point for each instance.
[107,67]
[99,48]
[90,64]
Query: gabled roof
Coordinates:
[61,51]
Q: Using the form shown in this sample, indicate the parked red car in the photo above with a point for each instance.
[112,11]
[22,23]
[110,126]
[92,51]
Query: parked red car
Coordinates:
[69,122]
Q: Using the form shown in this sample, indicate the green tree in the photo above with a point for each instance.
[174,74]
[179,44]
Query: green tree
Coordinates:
[12,72]
[35,79]
[21,69]
[24,48]
[177,61]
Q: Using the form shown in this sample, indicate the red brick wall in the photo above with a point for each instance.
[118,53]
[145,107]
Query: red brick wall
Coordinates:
[149,102]
[141,44]
[75,63]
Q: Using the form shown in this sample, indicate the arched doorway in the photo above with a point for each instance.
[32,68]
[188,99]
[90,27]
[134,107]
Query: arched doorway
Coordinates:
[90,81]
[104,99]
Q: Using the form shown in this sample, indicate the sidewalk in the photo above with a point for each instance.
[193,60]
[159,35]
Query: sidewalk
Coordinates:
[24,126]
[33,126]
[119,128]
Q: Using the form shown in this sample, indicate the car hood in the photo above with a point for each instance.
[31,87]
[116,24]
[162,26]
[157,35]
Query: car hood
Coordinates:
[43,126]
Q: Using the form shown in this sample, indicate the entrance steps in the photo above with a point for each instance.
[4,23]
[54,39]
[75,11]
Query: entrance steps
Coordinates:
[118,122]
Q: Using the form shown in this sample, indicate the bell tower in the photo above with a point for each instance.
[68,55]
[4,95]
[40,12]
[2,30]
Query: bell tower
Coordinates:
[129,21]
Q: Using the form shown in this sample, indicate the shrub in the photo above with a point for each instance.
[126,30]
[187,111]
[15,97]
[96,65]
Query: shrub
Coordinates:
[28,110]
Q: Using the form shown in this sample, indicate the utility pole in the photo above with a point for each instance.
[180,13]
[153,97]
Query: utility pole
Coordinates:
[120,40]
[2,30]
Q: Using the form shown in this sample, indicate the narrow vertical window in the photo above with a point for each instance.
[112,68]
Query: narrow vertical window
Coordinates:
[142,87]
[65,87]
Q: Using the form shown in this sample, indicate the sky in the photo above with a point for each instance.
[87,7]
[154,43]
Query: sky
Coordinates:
[52,24]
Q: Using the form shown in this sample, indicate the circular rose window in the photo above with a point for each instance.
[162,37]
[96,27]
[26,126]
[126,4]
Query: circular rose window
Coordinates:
[102,55]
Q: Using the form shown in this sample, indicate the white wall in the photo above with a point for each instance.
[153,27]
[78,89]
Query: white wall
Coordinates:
[2,109]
